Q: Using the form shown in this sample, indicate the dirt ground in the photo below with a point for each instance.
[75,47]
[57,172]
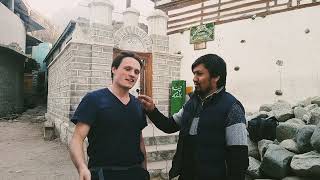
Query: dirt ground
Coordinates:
[24,155]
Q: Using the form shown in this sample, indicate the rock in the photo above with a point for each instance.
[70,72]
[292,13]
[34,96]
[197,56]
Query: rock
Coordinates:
[253,150]
[253,169]
[305,102]
[316,100]
[297,178]
[10,121]
[302,113]
[287,131]
[310,107]
[48,131]
[296,121]
[280,105]
[266,107]
[315,139]
[290,145]
[282,111]
[303,138]
[315,118]
[263,146]
[260,114]
[284,114]
[276,162]
[307,164]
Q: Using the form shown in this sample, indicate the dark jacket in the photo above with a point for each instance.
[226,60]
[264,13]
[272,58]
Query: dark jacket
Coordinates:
[211,150]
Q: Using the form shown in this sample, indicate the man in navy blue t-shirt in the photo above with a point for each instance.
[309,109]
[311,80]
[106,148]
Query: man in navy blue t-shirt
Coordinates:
[112,119]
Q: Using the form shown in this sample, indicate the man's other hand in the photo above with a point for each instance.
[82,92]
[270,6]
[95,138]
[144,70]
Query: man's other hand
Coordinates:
[84,174]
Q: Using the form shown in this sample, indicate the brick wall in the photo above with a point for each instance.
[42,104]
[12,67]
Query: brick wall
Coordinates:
[166,68]
[84,64]
[11,83]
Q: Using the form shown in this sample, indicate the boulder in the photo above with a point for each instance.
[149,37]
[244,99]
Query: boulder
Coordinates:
[266,107]
[316,100]
[315,118]
[315,139]
[310,107]
[303,138]
[282,111]
[302,113]
[297,178]
[253,150]
[253,169]
[287,131]
[276,162]
[307,164]
[290,145]
[263,146]
[296,121]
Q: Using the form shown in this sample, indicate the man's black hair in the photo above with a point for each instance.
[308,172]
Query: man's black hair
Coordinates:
[215,65]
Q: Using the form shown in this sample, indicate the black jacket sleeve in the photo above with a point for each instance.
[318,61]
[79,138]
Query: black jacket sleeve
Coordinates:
[237,162]
[165,124]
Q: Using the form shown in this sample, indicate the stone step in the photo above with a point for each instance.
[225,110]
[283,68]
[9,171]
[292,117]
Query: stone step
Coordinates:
[159,170]
[160,152]
[153,136]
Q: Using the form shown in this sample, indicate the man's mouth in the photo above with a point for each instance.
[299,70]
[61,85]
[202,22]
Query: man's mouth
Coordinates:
[130,80]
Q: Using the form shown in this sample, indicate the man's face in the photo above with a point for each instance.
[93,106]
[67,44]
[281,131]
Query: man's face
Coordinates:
[127,73]
[204,84]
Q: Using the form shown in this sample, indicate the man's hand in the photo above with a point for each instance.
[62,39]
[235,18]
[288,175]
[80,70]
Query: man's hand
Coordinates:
[84,174]
[147,102]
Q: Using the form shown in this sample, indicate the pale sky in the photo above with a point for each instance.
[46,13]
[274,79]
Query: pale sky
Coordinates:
[62,11]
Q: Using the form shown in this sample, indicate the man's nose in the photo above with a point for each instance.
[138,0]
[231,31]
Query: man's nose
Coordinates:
[195,79]
[131,73]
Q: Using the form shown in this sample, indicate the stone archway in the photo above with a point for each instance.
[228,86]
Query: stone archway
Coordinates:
[132,38]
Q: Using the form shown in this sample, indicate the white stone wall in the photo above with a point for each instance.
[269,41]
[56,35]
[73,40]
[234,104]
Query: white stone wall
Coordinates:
[77,69]
[84,64]
[166,68]
[8,22]
[275,37]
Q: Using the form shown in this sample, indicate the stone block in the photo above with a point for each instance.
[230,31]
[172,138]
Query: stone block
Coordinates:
[48,131]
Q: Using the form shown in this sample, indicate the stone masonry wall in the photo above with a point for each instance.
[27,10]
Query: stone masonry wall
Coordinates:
[11,83]
[82,65]
[59,74]
[166,68]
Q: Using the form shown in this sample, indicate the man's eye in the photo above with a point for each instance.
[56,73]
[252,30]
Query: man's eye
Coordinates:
[137,72]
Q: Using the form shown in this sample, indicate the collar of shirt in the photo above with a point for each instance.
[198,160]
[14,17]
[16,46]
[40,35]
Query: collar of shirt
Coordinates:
[209,97]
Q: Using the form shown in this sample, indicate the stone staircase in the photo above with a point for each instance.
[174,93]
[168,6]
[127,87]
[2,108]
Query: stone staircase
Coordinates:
[160,149]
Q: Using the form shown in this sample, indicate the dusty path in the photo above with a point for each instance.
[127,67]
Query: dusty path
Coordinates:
[24,155]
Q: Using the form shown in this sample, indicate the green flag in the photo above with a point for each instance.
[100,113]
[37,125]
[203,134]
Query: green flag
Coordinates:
[178,95]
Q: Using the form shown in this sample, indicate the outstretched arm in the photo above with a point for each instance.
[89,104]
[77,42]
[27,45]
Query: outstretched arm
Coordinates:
[76,150]
[167,125]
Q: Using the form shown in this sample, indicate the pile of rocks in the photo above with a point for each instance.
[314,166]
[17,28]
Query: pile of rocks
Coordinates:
[34,115]
[295,153]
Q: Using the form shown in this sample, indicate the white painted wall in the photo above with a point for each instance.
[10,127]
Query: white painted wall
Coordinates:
[276,37]
[8,22]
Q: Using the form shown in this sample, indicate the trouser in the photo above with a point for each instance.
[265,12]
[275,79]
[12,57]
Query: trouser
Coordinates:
[134,173]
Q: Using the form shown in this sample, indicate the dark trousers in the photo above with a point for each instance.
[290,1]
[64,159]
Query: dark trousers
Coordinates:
[136,173]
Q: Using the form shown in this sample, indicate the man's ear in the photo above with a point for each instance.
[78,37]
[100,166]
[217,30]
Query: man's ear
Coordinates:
[215,80]
[113,69]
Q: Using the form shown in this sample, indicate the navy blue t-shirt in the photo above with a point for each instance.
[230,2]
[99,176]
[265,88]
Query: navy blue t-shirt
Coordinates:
[114,136]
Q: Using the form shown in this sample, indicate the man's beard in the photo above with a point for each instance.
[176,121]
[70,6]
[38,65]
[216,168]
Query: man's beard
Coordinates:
[202,93]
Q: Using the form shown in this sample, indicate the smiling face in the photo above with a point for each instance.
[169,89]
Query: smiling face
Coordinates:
[127,74]
[204,84]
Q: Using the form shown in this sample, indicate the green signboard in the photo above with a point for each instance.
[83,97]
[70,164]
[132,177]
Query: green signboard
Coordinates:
[178,95]
[202,33]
